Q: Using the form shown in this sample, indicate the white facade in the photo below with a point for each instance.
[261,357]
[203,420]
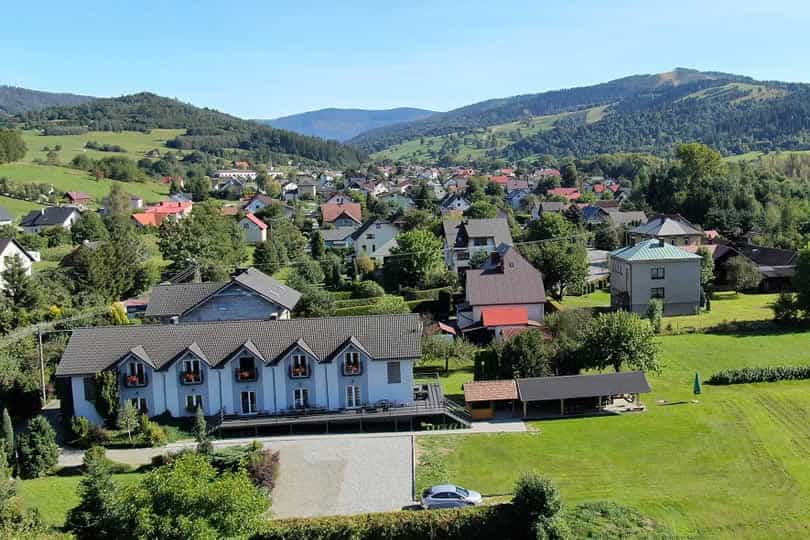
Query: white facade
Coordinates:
[675,282]
[376,241]
[239,174]
[254,234]
[13,249]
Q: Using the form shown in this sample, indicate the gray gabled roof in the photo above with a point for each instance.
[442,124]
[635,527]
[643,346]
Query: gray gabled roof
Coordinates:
[581,386]
[666,225]
[171,300]
[457,231]
[338,234]
[48,216]
[385,337]
[513,280]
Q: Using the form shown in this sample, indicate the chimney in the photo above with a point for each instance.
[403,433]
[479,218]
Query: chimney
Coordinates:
[660,242]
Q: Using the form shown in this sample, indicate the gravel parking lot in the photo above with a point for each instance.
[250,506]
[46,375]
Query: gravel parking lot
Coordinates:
[342,475]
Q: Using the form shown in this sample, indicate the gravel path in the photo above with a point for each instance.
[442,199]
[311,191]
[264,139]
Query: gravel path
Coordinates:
[332,476]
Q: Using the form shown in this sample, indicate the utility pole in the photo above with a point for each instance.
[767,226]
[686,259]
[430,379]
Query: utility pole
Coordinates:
[41,364]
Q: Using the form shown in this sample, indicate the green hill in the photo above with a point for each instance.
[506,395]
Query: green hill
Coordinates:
[642,113]
[15,100]
[207,130]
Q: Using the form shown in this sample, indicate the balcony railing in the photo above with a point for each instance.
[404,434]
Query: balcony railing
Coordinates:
[352,368]
[191,377]
[135,381]
[299,372]
[246,375]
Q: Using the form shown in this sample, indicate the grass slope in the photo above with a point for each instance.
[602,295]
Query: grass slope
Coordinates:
[732,466]
[16,207]
[135,143]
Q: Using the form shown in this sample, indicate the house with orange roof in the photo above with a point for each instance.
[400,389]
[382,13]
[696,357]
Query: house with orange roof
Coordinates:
[571,194]
[342,215]
[153,216]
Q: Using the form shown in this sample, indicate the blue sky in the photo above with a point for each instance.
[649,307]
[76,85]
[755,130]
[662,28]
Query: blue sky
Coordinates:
[262,59]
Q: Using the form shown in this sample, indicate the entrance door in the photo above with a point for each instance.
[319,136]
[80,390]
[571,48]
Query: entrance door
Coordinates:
[353,396]
[248,402]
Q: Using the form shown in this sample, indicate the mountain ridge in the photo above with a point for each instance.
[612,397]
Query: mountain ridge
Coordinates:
[341,124]
[16,100]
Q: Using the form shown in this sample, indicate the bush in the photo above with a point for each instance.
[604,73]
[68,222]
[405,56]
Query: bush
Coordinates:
[368,289]
[87,433]
[263,469]
[786,309]
[655,311]
[153,433]
[37,449]
[757,375]
[536,501]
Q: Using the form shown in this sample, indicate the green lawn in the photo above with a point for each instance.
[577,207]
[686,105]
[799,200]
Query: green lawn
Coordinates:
[16,207]
[726,307]
[732,466]
[65,179]
[55,495]
[135,143]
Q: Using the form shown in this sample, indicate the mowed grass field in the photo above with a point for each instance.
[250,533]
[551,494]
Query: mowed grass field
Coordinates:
[726,307]
[734,465]
[54,496]
[135,143]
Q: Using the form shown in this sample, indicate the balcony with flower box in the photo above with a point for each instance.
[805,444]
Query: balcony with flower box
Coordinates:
[246,374]
[299,372]
[135,381]
[191,377]
[351,369]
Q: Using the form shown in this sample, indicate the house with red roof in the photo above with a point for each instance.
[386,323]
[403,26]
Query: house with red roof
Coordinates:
[505,292]
[571,194]
[254,229]
[342,215]
[79,198]
[153,216]
[501,179]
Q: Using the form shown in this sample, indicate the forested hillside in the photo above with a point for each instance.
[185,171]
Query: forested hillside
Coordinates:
[343,124]
[207,130]
[647,113]
[499,111]
[15,100]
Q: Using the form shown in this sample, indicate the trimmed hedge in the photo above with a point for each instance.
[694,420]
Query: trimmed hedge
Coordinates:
[757,375]
[423,294]
[479,523]
[356,302]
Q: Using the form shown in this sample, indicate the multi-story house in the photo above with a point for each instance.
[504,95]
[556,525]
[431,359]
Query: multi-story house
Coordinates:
[463,239]
[672,228]
[654,269]
[246,368]
[375,238]
[249,295]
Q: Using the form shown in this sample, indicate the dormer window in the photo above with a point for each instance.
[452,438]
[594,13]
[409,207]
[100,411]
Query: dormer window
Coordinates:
[299,369]
[191,372]
[135,375]
[352,365]
[478,242]
[246,372]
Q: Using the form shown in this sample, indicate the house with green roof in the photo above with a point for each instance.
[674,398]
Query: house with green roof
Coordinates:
[655,269]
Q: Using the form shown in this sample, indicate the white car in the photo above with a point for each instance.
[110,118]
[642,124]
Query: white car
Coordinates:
[449,496]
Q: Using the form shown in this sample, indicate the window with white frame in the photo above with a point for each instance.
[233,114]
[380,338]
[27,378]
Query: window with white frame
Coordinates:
[301,398]
[351,364]
[300,365]
[657,272]
[194,402]
[353,399]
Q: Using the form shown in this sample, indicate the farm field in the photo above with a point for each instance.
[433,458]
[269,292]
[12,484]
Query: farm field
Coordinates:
[17,207]
[733,465]
[135,143]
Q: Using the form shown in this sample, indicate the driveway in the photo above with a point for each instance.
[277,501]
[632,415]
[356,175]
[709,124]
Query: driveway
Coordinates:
[342,475]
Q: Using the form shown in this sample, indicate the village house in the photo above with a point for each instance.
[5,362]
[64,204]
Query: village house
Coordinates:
[671,228]
[455,203]
[375,238]
[505,292]
[10,248]
[655,269]
[246,368]
[571,194]
[251,294]
[555,207]
[153,216]
[338,237]
[49,217]
[516,198]
[342,215]
[255,230]
[79,198]
[463,239]
[240,174]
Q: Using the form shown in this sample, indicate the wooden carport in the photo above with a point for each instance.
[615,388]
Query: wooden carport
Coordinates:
[482,397]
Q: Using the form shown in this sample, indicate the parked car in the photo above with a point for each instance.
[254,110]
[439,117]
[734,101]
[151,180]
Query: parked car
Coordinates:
[449,496]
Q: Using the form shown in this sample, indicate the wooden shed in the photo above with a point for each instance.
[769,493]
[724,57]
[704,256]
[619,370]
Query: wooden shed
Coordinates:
[482,398]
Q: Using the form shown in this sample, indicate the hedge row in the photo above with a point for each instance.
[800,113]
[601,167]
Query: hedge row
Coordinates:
[756,375]
[479,523]
[342,295]
[355,302]
[423,294]
[364,309]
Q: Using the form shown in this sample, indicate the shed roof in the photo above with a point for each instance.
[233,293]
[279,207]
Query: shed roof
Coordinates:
[490,391]
[581,386]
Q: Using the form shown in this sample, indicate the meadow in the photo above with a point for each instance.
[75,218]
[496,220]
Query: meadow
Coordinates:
[135,143]
[733,465]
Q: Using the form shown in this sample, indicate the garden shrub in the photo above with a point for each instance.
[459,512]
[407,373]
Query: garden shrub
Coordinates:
[263,468]
[37,448]
[655,311]
[87,433]
[757,375]
[537,501]
[368,289]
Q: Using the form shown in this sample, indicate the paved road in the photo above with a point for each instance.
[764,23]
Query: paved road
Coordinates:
[331,476]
